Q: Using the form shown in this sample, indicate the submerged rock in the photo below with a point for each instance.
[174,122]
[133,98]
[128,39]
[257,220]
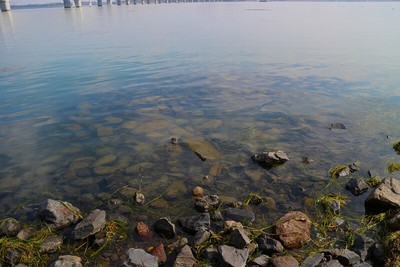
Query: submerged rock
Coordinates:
[59,213]
[140,258]
[92,224]
[198,191]
[202,147]
[337,126]
[357,186]
[164,228]
[206,203]
[269,160]
[384,197]
[239,215]
[293,229]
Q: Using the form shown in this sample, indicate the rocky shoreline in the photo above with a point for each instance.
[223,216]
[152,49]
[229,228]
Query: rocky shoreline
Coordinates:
[221,233]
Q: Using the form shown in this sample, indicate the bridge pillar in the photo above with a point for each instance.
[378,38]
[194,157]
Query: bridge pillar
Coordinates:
[5,5]
[78,3]
[127,2]
[118,2]
[109,2]
[67,4]
[99,2]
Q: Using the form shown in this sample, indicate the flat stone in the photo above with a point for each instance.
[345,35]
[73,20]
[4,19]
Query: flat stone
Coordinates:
[51,244]
[363,246]
[164,228]
[185,258]
[144,232]
[384,197]
[140,258]
[192,224]
[337,126]
[206,203]
[313,260]
[59,213]
[269,160]
[357,186]
[269,245]
[176,189]
[68,261]
[104,131]
[238,238]
[284,261]
[239,215]
[201,237]
[261,261]
[202,147]
[159,252]
[90,225]
[293,229]
[105,160]
[233,257]
[9,227]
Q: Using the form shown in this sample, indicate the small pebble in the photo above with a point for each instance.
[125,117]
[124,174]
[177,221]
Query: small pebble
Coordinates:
[198,191]
[174,141]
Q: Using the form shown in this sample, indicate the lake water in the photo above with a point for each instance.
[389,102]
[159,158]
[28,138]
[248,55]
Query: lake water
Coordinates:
[90,97]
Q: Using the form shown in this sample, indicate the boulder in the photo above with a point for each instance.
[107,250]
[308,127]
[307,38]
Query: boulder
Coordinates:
[293,229]
[140,258]
[59,213]
[92,224]
[232,257]
[68,261]
[164,228]
[269,245]
[284,261]
[239,215]
[185,258]
[384,197]
[192,224]
[9,227]
[363,246]
[269,160]
[313,260]
[238,238]
[206,203]
[357,186]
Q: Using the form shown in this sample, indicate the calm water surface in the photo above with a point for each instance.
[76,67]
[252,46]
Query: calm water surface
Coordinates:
[90,97]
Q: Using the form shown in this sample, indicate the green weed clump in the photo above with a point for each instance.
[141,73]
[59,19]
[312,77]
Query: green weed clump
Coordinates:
[336,171]
[392,167]
[396,147]
[114,230]
[392,249]
[373,181]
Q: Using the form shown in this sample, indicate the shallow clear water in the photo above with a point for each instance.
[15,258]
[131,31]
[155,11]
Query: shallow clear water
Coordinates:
[90,97]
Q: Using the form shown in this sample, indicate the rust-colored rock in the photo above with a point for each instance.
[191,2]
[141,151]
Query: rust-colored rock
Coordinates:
[293,229]
[144,232]
[198,191]
[159,252]
[284,261]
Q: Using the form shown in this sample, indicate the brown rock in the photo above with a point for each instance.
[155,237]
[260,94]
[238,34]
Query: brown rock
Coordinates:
[144,232]
[384,197]
[284,261]
[159,252]
[293,229]
[198,191]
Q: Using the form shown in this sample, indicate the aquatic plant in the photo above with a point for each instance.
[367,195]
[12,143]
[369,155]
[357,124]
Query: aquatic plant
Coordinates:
[392,249]
[373,181]
[337,171]
[392,167]
[114,230]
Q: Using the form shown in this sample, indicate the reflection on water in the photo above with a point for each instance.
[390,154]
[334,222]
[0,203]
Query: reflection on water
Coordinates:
[90,105]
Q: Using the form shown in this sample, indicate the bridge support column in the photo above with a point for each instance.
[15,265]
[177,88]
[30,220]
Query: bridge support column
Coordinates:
[99,2]
[67,4]
[127,2]
[118,2]
[78,3]
[5,5]
[109,2]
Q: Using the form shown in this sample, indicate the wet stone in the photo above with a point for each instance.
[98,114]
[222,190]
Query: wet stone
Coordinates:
[337,126]
[164,228]
[68,261]
[139,257]
[185,258]
[239,215]
[238,238]
[363,246]
[261,261]
[144,232]
[346,257]
[331,263]
[51,244]
[313,260]
[59,213]
[357,186]
[90,225]
[269,245]
[9,227]
[139,198]
[24,234]
[201,237]
[363,264]
[210,254]
[233,257]
[206,203]
[104,131]
[384,197]
[198,191]
[178,244]
[217,216]
[269,160]
[293,229]
[159,252]
[192,224]
[284,261]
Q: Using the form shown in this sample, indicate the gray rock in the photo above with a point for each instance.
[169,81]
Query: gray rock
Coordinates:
[261,261]
[232,257]
[394,222]
[239,215]
[384,197]
[313,260]
[269,160]
[337,126]
[210,254]
[164,228]
[284,261]
[90,225]
[59,213]
[378,253]
[24,234]
[185,258]
[363,264]
[217,216]
[51,244]
[206,203]
[346,257]
[192,224]
[363,246]
[238,238]
[201,237]
[9,227]
[269,245]
[357,186]
[68,261]
[140,258]
[332,263]
[178,244]
[139,198]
